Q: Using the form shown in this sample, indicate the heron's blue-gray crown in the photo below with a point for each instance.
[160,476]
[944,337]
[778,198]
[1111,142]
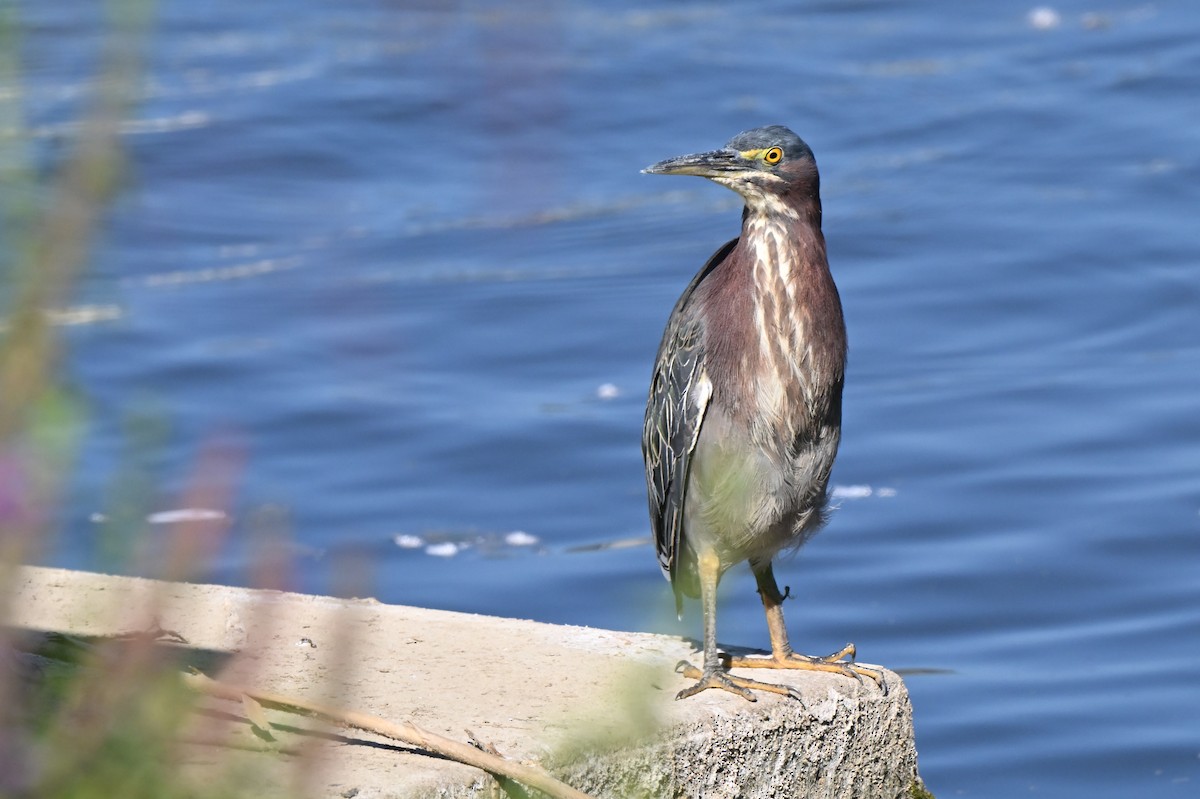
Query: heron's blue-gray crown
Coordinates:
[766,151]
[771,136]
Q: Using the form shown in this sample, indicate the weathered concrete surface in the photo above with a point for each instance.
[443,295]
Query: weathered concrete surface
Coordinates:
[594,706]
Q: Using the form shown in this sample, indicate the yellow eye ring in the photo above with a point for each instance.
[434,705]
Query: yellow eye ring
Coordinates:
[773,156]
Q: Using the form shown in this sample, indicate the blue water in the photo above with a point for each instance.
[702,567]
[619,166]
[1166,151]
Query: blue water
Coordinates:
[398,264]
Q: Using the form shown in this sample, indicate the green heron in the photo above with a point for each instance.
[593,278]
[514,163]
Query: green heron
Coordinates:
[745,407]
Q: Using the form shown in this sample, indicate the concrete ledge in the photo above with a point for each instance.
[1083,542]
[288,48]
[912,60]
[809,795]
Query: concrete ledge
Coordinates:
[594,706]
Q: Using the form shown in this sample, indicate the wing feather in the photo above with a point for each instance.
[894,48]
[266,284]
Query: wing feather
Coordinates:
[680,391]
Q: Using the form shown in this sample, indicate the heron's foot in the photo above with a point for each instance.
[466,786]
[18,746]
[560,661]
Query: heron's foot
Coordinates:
[715,678]
[840,662]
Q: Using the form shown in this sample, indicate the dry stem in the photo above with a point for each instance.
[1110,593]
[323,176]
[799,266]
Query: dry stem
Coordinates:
[407,733]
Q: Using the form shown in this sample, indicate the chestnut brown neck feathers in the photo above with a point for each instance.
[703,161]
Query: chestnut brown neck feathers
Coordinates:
[776,332]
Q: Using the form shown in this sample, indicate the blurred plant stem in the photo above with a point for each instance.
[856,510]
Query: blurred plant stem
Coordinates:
[108,721]
[46,227]
[47,242]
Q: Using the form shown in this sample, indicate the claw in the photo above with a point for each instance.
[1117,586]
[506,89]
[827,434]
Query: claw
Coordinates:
[848,652]
[875,674]
[711,679]
[833,663]
[741,686]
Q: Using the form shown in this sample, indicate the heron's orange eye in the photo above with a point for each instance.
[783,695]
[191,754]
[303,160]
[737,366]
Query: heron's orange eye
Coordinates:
[773,156]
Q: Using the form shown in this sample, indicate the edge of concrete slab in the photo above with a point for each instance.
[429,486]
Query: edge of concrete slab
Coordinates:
[594,706]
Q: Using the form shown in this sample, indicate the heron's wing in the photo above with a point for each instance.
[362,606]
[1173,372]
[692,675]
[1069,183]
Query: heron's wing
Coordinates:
[679,395]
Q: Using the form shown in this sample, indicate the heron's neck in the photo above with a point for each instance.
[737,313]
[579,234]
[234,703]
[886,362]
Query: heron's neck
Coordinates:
[795,314]
[786,250]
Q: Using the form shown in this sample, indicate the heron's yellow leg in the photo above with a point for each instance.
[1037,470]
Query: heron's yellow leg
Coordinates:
[715,674]
[782,656]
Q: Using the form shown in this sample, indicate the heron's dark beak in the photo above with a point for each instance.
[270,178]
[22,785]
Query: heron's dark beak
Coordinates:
[706,165]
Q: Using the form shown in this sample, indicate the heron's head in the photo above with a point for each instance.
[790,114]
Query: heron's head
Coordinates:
[766,166]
